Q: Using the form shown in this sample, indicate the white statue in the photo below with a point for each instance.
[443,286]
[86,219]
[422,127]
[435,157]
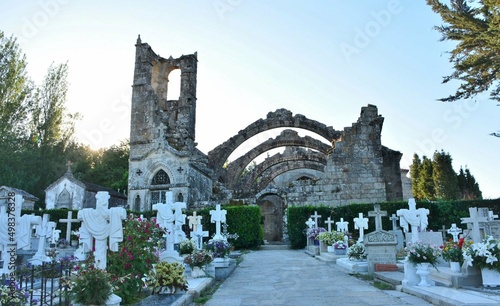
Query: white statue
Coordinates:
[165,218]
[101,223]
[416,218]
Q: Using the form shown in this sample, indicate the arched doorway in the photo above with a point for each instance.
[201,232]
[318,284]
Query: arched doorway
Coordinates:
[272,208]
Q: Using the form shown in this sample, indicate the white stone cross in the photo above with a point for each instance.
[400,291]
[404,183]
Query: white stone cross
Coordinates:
[43,231]
[98,224]
[474,219]
[199,234]
[54,237]
[165,218]
[316,217]
[218,216]
[194,221]
[329,223]
[310,223]
[68,222]
[416,218]
[378,214]
[361,224]
[342,225]
[394,220]
[180,220]
[454,231]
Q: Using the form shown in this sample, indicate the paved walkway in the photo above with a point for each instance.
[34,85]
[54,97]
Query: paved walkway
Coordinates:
[291,277]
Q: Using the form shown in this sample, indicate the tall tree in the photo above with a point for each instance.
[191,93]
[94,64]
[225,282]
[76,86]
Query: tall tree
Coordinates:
[425,183]
[444,177]
[476,57]
[414,175]
[469,188]
[14,90]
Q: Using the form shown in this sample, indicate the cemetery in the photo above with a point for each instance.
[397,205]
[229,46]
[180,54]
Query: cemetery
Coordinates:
[189,217]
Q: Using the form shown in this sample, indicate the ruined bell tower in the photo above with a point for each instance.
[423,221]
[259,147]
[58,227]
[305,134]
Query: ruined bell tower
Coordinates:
[163,154]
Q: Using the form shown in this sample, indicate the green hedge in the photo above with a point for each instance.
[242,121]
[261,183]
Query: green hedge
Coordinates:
[242,220]
[440,213]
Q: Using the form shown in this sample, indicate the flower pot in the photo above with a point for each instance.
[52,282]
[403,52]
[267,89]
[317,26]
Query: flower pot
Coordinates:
[197,272]
[455,266]
[491,278]
[423,271]
[340,251]
[221,262]
[330,249]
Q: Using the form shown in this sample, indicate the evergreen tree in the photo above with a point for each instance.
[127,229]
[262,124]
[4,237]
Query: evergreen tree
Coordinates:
[425,183]
[469,188]
[476,57]
[444,177]
[414,176]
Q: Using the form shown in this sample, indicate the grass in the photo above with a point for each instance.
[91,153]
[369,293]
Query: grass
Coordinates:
[371,280]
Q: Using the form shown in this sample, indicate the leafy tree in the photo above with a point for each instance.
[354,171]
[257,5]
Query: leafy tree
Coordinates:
[414,175]
[14,90]
[425,182]
[476,57]
[444,177]
[469,188]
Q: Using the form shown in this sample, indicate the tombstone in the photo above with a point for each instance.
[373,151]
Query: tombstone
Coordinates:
[15,230]
[454,231]
[218,216]
[329,223]
[342,225]
[44,232]
[380,245]
[361,223]
[194,221]
[100,224]
[310,223]
[68,222]
[414,219]
[396,230]
[55,235]
[316,217]
[198,236]
[473,224]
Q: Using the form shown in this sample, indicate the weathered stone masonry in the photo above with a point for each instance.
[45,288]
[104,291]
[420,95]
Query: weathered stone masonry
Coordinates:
[348,166]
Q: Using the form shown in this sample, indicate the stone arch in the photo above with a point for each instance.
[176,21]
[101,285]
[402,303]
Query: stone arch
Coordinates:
[158,183]
[272,205]
[281,118]
[174,84]
[287,138]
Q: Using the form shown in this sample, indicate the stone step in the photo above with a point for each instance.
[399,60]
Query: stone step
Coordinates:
[274,247]
[393,278]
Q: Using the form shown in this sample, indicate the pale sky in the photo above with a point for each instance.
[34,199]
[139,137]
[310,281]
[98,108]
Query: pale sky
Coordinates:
[322,59]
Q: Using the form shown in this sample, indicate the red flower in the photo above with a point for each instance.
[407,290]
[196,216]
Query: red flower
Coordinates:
[460,242]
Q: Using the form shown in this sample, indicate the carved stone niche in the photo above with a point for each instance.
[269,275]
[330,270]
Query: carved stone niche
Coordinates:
[381,248]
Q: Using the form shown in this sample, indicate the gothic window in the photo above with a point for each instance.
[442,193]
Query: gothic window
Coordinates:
[64,199]
[158,196]
[160,178]
[137,203]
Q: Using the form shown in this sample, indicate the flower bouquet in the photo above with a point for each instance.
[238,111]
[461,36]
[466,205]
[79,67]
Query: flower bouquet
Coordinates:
[485,254]
[91,286]
[219,247]
[313,233]
[452,251]
[186,247]
[199,258]
[327,238]
[340,245]
[357,251]
[421,252]
[166,276]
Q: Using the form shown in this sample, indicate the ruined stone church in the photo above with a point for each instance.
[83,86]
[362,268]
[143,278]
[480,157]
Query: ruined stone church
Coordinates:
[348,166]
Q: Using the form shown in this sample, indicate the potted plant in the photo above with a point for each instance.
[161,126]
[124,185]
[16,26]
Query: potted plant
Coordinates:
[328,239]
[219,247]
[357,251]
[197,260]
[91,286]
[452,252]
[312,233]
[423,255]
[340,247]
[12,293]
[186,247]
[486,256]
[166,278]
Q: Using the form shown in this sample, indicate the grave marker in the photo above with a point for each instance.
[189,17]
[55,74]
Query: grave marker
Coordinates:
[454,231]
[361,224]
[68,222]
[329,223]
[377,214]
[218,216]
